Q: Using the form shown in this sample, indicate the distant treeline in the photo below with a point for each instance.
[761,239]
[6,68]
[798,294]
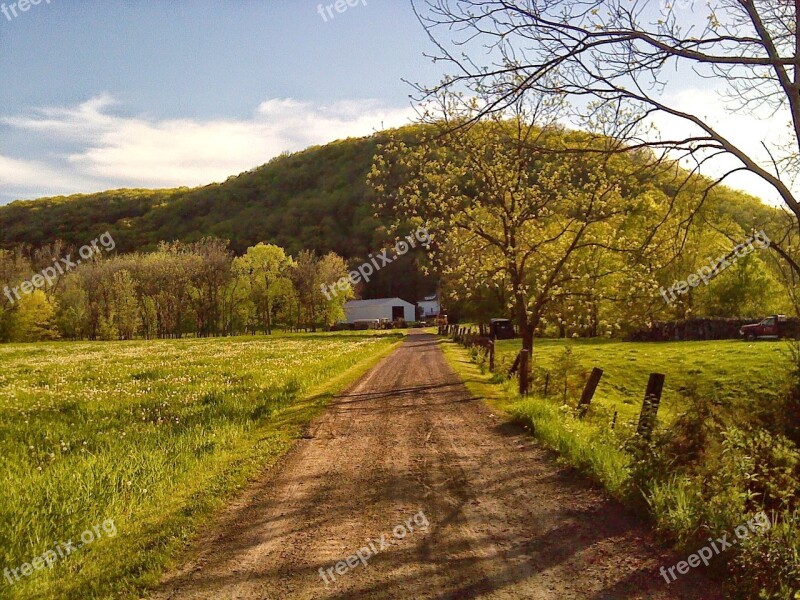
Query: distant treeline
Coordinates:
[198,288]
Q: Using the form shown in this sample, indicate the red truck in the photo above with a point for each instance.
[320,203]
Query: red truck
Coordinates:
[771,328]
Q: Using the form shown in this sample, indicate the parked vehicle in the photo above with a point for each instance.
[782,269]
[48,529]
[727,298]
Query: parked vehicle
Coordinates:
[773,327]
[501,329]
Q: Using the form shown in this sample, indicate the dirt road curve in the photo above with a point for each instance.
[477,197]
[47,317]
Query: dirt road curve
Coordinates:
[505,521]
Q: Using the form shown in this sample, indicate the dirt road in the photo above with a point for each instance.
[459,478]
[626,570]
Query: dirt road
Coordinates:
[409,446]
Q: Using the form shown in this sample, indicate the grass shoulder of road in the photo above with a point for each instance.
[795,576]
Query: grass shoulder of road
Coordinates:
[159,439]
[581,444]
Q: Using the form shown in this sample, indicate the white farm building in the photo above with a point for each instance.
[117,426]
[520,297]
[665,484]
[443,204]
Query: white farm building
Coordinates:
[380,308]
[429,306]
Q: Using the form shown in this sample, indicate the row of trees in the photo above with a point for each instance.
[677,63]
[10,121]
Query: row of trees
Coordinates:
[199,288]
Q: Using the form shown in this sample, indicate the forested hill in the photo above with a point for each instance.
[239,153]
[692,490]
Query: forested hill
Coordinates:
[316,199]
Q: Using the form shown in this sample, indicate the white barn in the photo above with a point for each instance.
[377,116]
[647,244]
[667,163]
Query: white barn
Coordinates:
[380,308]
[429,306]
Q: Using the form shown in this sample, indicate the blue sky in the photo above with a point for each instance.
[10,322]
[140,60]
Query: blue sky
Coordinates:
[89,84]
[98,95]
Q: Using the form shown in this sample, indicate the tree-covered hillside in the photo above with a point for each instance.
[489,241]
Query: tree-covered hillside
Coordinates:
[317,199]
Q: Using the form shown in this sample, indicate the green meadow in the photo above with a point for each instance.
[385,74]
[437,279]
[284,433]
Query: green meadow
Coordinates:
[152,435]
[730,371]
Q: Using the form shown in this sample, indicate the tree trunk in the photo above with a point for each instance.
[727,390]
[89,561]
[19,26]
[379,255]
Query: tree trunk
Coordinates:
[525,330]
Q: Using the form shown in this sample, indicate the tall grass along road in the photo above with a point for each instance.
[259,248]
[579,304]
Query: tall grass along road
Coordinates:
[408,487]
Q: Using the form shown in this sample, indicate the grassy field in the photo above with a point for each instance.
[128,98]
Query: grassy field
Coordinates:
[731,371]
[138,443]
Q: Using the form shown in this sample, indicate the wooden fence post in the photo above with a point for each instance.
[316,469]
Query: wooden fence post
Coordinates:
[523,372]
[589,390]
[491,356]
[652,400]
[515,366]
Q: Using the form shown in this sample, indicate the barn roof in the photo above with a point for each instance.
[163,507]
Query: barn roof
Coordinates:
[375,302]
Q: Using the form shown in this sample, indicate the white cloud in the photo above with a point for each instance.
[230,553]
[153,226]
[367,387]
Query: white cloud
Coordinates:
[16,177]
[83,123]
[117,151]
